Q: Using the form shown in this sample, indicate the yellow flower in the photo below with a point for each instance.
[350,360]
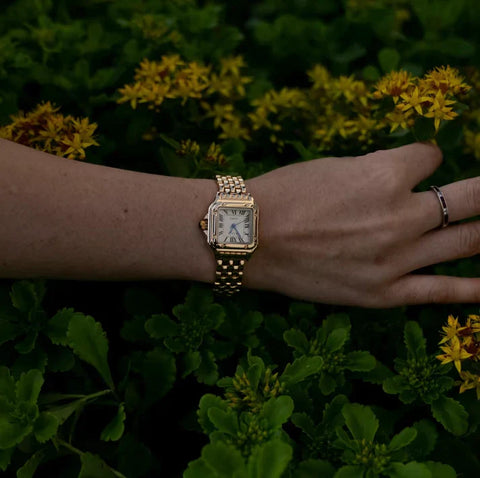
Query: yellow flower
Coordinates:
[188,147]
[232,64]
[233,129]
[399,119]
[469,382]
[352,90]
[393,84]
[219,112]
[450,330]
[214,155]
[454,352]
[132,93]
[441,109]
[446,80]
[75,147]
[47,130]
[320,76]
[414,99]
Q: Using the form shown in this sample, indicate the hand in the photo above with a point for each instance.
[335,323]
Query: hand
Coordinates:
[350,230]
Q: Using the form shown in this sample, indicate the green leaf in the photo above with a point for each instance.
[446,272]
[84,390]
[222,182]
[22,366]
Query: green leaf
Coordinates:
[159,371]
[198,469]
[360,420]
[225,461]
[269,459]
[57,326]
[451,414]
[45,427]
[297,339]
[300,369]
[388,58]
[8,331]
[410,470]
[314,468]
[305,423]
[336,321]
[94,467]
[394,385]
[359,361]
[5,457]
[28,386]
[402,439]
[439,470]
[327,384]
[159,326]
[191,361]
[7,384]
[13,431]
[207,372]
[88,340]
[414,340]
[336,339]
[277,411]
[208,402]
[30,466]
[225,421]
[27,295]
[114,430]
[425,441]
[350,471]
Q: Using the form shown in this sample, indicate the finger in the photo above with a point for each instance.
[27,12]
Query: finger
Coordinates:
[462,198]
[416,160]
[433,289]
[451,243]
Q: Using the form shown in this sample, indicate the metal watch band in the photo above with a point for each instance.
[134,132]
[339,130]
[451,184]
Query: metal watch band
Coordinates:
[231,185]
[229,272]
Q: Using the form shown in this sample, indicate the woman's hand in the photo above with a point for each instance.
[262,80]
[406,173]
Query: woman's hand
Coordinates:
[350,230]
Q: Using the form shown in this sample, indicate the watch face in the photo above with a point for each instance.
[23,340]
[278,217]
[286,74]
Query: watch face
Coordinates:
[234,225]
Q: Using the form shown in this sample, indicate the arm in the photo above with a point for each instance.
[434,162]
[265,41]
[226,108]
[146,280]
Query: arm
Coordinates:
[333,230]
[66,219]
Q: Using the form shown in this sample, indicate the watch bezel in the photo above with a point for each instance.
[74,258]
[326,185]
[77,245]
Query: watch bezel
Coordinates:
[221,203]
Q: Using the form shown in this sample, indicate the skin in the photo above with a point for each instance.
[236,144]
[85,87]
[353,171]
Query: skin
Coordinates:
[345,231]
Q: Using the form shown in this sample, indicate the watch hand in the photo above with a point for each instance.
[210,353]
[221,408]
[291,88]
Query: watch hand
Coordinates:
[234,226]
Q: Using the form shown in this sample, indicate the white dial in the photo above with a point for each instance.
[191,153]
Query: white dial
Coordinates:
[234,225]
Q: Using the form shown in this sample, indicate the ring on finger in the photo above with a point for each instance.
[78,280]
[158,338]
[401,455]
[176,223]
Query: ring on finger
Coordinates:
[443,205]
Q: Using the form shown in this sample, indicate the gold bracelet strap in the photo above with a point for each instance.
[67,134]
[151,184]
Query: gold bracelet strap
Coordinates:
[231,185]
[229,273]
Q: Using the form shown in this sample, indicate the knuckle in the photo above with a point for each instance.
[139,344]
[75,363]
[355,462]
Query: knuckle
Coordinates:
[472,193]
[469,240]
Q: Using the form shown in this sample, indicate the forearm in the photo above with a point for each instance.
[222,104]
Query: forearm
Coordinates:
[65,219]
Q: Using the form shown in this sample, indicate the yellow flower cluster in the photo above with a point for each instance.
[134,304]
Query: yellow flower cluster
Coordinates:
[462,343]
[331,113]
[432,96]
[169,78]
[46,129]
[243,395]
[211,159]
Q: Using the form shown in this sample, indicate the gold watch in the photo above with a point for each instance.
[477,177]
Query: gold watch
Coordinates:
[231,227]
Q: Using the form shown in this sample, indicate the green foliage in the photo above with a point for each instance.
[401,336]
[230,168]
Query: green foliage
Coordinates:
[280,388]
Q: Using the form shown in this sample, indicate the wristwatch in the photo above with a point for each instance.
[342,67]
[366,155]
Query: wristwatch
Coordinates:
[231,227]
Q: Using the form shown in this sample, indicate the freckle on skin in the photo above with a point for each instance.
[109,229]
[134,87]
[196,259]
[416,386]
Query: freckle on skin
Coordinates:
[125,210]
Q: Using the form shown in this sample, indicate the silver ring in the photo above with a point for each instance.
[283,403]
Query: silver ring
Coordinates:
[443,205]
